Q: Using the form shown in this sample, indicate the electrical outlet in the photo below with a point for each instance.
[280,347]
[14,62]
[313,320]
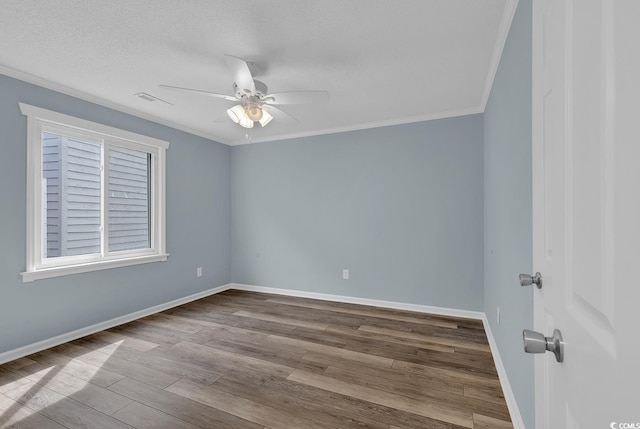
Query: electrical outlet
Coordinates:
[498,316]
[199,272]
[345,274]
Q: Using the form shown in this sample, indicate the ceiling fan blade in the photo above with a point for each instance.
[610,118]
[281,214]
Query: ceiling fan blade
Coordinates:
[297,97]
[241,73]
[199,91]
[279,114]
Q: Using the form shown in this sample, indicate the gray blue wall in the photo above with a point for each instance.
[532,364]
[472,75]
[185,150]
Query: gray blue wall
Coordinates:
[198,228]
[507,208]
[401,207]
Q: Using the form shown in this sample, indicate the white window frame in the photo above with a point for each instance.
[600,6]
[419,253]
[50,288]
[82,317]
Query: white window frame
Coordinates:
[39,120]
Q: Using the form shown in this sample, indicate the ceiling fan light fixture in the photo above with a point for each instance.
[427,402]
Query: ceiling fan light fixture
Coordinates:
[266,118]
[254,112]
[238,115]
[246,122]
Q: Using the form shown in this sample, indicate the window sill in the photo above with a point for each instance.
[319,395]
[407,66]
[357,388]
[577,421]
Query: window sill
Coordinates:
[45,273]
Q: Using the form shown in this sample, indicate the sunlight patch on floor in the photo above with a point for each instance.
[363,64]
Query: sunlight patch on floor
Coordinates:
[27,390]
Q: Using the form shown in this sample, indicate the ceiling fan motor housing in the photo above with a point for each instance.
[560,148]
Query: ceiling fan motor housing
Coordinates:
[261,91]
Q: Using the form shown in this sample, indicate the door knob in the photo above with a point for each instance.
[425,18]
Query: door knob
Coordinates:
[527,280]
[535,342]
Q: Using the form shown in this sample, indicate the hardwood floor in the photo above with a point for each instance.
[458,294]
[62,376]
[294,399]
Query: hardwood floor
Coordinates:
[250,360]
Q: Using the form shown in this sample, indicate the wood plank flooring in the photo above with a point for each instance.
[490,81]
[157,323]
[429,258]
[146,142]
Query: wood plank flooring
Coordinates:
[257,361]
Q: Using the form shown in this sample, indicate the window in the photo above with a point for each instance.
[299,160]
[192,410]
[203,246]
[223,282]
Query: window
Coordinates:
[95,196]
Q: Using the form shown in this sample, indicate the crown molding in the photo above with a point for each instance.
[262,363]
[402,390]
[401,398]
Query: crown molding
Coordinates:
[505,24]
[364,126]
[63,89]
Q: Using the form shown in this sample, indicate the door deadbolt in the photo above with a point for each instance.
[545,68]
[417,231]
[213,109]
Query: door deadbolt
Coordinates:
[535,342]
[528,280]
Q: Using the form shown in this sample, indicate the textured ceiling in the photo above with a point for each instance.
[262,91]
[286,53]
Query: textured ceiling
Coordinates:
[382,61]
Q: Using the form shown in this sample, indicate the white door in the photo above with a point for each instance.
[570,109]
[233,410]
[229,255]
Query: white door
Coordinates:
[586,203]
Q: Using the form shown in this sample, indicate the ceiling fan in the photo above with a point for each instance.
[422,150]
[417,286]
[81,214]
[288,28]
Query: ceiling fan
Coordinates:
[255,104]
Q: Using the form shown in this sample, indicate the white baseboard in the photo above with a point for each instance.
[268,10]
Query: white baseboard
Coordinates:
[443,311]
[82,332]
[514,411]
